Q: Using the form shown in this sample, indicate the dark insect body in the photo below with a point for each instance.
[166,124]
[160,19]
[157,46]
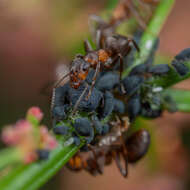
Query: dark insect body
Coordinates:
[101,100]
[115,47]
[122,151]
[180,59]
[124,10]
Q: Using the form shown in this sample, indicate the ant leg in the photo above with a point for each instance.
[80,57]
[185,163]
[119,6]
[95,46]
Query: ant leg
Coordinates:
[98,21]
[95,159]
[93,80]
[98,39]
[120,66]
[60,80]
[137,15]
[87,46]
[123,170]
[135,44]
[79,100]
[78,55]
[53,99]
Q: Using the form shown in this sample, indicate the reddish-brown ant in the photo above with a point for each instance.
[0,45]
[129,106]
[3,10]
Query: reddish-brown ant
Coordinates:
[113,147]
[125,9]
[114,48]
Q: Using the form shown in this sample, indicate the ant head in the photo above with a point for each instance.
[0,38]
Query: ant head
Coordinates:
[79,71]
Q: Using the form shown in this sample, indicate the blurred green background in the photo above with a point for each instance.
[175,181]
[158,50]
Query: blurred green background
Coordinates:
[36,36]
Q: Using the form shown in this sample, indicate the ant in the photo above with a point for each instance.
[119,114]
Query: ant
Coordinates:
[114,146]
[125,9]
[114,49]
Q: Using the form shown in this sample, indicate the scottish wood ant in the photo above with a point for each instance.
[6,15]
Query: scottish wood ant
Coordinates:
[113,50]
[125,9]
[113,147]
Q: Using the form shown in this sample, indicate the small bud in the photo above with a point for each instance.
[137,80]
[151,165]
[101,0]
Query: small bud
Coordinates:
[34,113]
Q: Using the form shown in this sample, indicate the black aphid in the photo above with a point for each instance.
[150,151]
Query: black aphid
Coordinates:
[134,107]
[180,68]
[85,105]
[97,125]
[60,103]
[108,105]
[119,106]
[183,55]
[43,154]
[84,128]
[60,95]
[139,69]
[178,62]
[159,69]
[132,84]
[61,130]
[60,112]
[108,81]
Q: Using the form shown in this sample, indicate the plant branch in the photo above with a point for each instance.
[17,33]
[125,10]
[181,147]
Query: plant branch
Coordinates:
[151,33]
[181,98]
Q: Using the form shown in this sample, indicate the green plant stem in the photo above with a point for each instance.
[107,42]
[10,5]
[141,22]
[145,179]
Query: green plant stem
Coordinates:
[9,156]
[181,98]
[30,177]
[151,33]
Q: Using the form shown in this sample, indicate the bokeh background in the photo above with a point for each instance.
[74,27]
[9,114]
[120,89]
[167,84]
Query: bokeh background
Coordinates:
[36,36]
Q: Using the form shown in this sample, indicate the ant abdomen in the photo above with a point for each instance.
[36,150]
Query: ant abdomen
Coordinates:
[137,145]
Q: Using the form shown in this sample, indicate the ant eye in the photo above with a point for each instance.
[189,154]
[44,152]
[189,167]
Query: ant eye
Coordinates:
[85,67]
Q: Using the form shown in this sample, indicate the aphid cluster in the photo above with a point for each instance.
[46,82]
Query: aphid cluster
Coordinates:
[96,100]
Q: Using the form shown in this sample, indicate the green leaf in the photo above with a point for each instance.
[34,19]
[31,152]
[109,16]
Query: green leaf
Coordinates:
[30,177]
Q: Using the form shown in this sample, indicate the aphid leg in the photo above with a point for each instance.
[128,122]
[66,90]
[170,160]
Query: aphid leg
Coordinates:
[93,80]
[60,80]
[95,159]
[87,46]
[79,100]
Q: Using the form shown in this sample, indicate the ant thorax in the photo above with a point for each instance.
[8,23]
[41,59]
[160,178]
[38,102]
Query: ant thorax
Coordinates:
[116,132]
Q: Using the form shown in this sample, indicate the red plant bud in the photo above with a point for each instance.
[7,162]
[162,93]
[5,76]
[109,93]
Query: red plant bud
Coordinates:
[35,112]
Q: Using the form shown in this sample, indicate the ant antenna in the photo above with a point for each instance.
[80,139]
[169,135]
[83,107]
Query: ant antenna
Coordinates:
[60,80]
[79,100]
